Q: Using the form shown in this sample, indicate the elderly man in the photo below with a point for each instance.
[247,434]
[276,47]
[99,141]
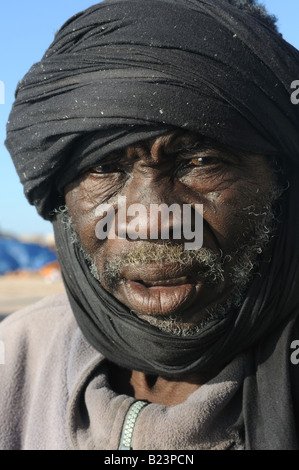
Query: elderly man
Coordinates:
[157,345]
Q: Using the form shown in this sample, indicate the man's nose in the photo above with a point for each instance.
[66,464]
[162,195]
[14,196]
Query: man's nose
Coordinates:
[158,221]
[150,211]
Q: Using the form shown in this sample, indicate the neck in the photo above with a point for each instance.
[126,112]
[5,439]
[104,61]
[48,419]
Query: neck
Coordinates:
[156,389]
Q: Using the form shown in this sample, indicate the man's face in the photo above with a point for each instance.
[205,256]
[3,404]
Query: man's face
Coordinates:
[158,280]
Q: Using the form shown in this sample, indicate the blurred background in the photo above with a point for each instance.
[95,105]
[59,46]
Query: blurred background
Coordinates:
[28,264]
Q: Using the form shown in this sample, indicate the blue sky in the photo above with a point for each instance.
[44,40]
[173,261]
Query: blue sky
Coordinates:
[27,27]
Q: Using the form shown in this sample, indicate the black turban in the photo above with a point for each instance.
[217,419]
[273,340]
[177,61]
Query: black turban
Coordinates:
[128,70]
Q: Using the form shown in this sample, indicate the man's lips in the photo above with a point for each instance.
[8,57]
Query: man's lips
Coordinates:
[163,290]
[166,282]
[159,299]
[164,274]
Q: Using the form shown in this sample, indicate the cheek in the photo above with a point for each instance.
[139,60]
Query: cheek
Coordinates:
[82,200]
[234,214]
[223,199]
[82,205]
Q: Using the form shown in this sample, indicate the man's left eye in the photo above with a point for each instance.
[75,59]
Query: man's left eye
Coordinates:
[203,161]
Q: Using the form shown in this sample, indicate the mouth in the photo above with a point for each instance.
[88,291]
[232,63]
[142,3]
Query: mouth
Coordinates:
[166,288]
[160,299]
[159,293]
[165,282]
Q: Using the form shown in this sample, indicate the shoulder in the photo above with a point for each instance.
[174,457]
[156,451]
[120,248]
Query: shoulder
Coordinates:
[56,304]
[42,317]
[33,333]
[45,336]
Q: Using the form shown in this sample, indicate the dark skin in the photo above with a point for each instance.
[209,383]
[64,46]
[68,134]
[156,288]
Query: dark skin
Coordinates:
[178,167]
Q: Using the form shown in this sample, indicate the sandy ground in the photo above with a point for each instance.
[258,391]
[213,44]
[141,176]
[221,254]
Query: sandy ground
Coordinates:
[18,291]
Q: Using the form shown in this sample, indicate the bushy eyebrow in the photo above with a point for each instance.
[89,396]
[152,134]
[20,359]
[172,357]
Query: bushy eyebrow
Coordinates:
[193,147]
[206,147]
[111,158]
[185,149]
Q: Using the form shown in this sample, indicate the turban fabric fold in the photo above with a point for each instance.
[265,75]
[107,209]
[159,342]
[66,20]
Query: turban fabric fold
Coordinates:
[125,71]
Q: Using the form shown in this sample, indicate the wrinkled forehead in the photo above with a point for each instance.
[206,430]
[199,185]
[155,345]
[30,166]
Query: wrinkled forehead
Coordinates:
[171,142]
[177,142]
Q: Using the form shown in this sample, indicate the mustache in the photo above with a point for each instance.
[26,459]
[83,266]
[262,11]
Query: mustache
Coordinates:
[207,264]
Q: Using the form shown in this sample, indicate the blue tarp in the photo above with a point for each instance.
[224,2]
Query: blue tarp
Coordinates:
[15,255]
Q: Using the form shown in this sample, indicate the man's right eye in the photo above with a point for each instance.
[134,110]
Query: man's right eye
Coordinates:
[107,168]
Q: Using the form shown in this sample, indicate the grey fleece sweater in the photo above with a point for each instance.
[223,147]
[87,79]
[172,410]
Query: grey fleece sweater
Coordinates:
[55,395]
